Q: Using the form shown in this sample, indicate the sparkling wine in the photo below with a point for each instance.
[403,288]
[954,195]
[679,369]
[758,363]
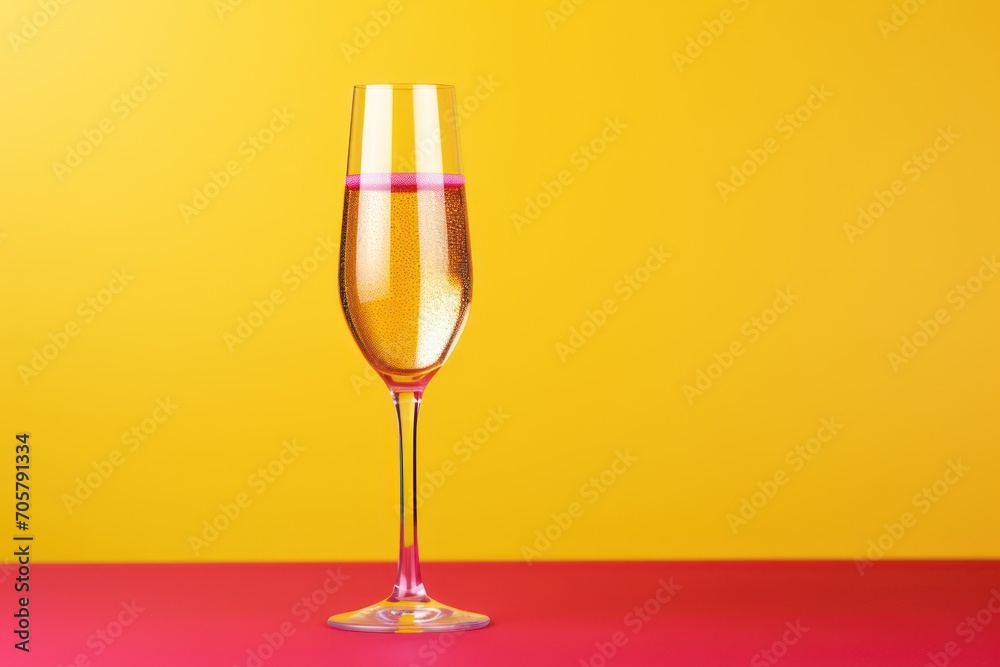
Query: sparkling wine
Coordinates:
[405,272]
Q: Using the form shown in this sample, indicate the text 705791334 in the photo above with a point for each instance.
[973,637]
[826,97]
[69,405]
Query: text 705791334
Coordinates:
[22,542]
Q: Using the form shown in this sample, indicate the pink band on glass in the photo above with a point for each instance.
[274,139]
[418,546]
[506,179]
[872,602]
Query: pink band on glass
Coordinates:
[403,181]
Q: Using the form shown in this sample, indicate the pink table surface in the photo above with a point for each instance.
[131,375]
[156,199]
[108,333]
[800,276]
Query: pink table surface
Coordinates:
[577,614]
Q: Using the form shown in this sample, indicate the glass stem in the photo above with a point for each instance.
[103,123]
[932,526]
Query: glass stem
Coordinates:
[409,585]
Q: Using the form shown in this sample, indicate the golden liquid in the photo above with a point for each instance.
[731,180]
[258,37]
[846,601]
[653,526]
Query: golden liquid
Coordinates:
[405,275]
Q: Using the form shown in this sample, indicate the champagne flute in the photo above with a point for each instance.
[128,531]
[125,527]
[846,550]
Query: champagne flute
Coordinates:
[405,287]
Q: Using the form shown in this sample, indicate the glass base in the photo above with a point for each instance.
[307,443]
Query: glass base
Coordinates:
[407,616]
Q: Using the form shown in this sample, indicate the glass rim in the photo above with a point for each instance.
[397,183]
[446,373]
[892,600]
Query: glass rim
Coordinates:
[405,86]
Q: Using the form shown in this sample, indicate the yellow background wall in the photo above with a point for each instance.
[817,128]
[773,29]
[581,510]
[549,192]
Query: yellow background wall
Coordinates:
[581,337]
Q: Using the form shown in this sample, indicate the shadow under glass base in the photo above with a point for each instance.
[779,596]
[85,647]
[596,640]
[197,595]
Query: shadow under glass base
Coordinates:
[408,616]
